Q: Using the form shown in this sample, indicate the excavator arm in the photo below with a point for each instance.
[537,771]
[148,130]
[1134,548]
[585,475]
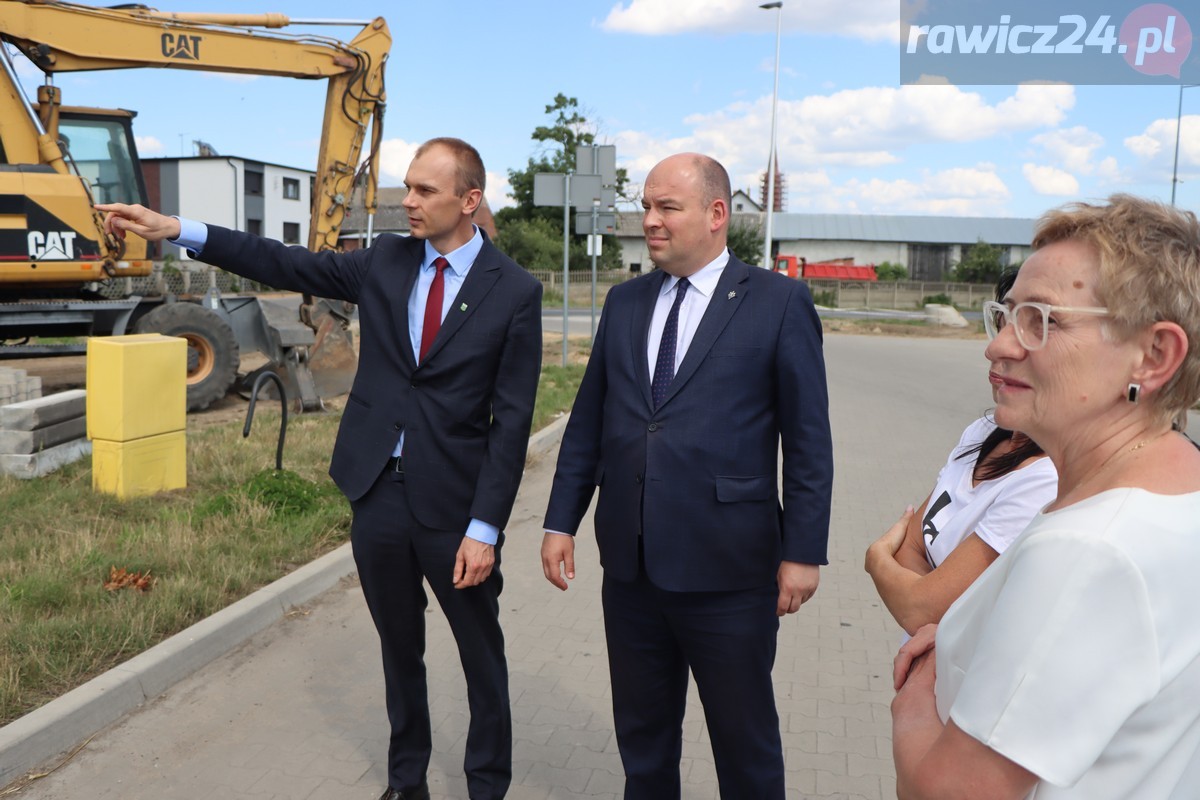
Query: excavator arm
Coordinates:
[52,242]
[67,37]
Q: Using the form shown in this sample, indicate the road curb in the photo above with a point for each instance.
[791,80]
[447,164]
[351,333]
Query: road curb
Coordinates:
[47,732]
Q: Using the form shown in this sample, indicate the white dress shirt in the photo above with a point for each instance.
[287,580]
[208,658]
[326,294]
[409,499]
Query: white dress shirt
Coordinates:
[691,310]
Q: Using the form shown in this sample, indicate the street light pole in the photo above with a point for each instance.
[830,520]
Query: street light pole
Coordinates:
[1178,127]
[771,157]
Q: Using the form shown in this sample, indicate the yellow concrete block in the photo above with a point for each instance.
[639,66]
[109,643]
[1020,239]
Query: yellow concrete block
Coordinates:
[136,386]
[141,467]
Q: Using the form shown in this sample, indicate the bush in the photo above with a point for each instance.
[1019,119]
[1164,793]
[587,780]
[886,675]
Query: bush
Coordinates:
[825,297]
[939,299]
[887,271]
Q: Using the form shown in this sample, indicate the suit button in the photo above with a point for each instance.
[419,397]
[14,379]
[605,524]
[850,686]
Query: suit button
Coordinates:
[652,427]
[415,385]
[397,427]
[637,478]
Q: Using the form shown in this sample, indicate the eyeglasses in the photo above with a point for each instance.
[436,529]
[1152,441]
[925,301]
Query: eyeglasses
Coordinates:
[1032,320]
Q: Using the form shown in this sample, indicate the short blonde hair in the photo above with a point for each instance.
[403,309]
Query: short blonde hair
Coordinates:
[1149,272]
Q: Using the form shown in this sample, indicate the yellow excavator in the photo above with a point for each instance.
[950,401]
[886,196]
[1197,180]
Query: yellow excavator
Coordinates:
[56,161]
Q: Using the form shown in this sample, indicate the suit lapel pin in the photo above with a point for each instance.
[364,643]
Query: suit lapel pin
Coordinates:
[463,307]
[731,295]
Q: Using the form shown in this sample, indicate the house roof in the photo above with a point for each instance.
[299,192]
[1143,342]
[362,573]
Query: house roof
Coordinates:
[391,217]
[243,159]
[909,229]
[876,228]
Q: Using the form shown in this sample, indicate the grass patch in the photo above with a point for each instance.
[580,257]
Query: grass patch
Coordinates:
[556,392]
[59,626]
[237,527]
[581,293]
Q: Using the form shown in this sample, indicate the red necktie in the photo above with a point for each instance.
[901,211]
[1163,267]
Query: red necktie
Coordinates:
[433,307]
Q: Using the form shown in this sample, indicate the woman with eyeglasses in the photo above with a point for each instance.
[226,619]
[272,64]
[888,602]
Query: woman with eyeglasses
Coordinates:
[992,484]
[1071,667]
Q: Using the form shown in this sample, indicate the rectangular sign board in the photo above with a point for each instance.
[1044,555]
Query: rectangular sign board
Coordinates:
[600,159]
[550,187]
[605,223]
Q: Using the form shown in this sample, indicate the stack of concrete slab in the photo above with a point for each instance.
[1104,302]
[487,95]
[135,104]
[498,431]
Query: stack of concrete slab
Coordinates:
[16,386]
[41,435]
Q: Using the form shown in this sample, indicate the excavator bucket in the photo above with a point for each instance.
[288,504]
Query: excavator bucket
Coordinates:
[315,361]
[333,359]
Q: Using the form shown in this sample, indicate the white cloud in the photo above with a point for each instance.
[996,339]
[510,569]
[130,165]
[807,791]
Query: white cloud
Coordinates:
[1157,142]
[394,157]
[1048,180]
[1075,150]
[873,20]
[962,191]
[149,145]
[827,141]
[959,191]
[497,191]
[862,128]
[1071,148]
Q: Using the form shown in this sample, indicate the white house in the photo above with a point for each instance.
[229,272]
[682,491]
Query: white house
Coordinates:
[254,196]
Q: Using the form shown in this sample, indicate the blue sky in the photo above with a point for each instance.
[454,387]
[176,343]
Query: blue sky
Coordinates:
[660,76]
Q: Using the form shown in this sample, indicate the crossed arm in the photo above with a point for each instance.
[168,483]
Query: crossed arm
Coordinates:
[916,593]
[936,760]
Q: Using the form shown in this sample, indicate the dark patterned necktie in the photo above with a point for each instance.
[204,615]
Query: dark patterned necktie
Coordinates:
[664,367]
[433,307]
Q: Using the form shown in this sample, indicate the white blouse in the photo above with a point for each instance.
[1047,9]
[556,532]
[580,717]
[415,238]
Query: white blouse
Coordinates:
[1077,653]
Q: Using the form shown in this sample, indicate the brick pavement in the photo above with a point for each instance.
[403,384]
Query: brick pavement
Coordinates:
[296,713]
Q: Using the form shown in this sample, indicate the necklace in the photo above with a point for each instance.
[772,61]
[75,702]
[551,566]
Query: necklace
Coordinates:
[1112,459]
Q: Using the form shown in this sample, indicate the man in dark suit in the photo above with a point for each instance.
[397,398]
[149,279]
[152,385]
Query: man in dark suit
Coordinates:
[700,374]
[433,437]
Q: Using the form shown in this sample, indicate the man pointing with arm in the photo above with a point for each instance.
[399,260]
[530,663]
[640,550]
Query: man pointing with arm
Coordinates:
[433,437]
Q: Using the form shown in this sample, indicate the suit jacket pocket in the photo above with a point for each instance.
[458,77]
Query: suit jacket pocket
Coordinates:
[745,490]
[734,351]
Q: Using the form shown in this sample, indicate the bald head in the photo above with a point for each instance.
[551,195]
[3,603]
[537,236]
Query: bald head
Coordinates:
[686,200]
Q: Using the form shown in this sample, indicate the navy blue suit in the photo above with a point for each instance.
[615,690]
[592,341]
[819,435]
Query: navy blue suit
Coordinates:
[691,524]
[466,412]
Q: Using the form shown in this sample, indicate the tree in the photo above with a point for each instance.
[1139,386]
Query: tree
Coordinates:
[532,243]
[887,271]
[746,242]
[569,129]
[982,264]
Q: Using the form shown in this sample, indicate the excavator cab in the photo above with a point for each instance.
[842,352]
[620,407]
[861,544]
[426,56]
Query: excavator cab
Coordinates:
[100,145]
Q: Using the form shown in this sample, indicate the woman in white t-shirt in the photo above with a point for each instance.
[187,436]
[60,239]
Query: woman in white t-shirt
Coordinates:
[990,488]
[1071,667]
[992,485]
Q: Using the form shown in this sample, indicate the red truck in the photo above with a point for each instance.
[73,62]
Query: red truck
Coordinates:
[798,267]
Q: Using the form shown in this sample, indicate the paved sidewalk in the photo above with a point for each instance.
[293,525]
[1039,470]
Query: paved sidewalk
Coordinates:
[296,713]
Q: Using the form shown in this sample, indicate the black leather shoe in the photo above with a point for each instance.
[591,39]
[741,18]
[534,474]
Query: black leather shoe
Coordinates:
[419,793]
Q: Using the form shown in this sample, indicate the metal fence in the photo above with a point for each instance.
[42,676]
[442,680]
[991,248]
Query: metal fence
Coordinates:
[899,295]
[193,277]
[180,278]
